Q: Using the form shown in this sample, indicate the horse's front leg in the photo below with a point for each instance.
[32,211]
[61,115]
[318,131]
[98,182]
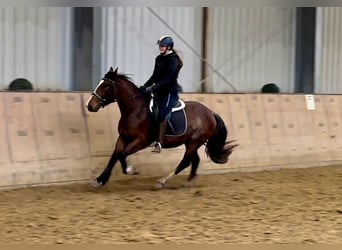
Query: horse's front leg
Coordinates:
[122,150]
[102,179]
[131,148]
[105,175]
[130,170]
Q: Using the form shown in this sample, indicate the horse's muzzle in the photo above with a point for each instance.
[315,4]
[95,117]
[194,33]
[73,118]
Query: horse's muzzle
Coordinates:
[91,109]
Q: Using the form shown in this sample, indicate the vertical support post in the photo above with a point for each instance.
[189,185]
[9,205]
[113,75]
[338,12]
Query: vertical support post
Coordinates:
[204,64]
[305,49]
[83,49]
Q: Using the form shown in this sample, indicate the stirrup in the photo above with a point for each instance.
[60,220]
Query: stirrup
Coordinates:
[157,148]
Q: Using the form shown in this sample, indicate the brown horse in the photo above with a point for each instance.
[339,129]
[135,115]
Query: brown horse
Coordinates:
[204,127]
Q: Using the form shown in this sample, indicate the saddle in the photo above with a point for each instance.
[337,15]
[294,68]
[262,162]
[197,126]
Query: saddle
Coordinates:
[176,124]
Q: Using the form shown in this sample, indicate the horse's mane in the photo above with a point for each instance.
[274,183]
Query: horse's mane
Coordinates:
[113,75]
[125,77]
[122,76]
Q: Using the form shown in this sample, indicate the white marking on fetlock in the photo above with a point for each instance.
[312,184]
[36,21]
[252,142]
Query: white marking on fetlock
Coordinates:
[131,170]
[96,184]
[160,184]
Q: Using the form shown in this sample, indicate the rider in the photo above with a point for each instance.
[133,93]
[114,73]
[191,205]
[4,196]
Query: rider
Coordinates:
[163,84]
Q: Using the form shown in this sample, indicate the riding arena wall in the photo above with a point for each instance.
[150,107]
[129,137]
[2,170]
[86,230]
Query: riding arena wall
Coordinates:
[50,138]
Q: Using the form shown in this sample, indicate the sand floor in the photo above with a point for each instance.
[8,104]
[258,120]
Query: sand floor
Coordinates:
[285,206]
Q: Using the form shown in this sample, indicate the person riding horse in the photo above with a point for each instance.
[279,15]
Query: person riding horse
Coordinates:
[204,127]
[164,86]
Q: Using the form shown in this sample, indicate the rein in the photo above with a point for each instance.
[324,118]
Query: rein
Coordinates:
[104,101]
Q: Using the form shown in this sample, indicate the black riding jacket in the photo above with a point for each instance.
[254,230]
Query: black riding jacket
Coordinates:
[165,74]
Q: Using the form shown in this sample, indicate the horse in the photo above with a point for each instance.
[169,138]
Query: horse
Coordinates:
[137,123]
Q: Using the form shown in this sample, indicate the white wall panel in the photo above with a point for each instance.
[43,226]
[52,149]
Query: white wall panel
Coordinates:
[35,44]
[248,46]
[128,39]
[328,54]
[251,46]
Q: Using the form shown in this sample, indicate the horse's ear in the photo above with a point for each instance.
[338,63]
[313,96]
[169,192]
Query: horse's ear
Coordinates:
[114,70]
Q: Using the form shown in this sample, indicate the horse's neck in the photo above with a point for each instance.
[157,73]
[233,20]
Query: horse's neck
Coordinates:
[130,99]
[132,103]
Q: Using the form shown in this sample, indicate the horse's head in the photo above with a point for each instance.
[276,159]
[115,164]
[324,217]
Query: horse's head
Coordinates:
[115,87]
[104,92]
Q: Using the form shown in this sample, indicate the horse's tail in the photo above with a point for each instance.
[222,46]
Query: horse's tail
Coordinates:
[216,147]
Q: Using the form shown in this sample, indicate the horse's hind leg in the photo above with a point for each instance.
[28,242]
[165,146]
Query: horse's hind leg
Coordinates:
[190,157]
[185,162]
[194,165]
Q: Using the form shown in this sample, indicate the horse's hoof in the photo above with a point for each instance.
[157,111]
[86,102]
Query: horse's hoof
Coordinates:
[192,178]
[159,185]
[132,170]
[96,184]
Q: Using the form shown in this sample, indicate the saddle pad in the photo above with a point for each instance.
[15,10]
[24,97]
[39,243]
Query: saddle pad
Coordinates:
[177,124]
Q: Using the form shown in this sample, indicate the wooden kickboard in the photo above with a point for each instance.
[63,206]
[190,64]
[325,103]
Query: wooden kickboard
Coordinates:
[47,124]
[191,97]
[73,125]
[333,114]
[244,154]
[21,129]
[114,114]
[6,174]
[220,104]
[4,152]
[321,130]
[307,138]
[258,129]
[291,127]
[24,173]
[66,170]
[275,129]
[100,132]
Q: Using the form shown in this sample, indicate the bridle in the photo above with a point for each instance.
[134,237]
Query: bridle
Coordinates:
[104,101]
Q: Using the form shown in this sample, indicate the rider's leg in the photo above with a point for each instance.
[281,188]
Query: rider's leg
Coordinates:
[158,145]
[164,112]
